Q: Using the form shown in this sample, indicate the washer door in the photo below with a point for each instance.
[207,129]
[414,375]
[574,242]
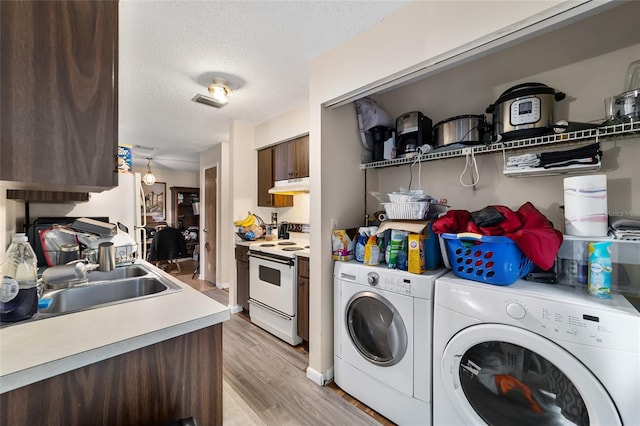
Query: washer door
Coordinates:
[376,329]
[503,375]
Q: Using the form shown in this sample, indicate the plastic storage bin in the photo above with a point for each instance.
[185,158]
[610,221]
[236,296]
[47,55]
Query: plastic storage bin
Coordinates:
[572,263]
[491,260]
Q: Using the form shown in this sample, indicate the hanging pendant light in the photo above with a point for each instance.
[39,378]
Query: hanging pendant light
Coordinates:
[149,178]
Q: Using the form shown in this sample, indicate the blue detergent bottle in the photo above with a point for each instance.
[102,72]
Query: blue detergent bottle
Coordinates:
[600,267]
[361,243]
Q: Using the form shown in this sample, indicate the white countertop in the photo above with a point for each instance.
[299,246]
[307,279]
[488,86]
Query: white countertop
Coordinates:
[36,350]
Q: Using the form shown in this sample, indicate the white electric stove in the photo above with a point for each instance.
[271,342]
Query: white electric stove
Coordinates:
[273,285]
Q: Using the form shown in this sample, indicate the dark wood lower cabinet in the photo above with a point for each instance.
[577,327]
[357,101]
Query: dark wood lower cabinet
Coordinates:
[303,299]
[242,276]
[155,385]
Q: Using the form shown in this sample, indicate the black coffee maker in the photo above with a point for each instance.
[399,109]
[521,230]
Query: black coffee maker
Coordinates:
[413,130]
[283,231]
[381,136]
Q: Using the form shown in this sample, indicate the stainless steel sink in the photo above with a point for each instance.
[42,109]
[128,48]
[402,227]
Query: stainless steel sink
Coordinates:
[123,284]
[117,273]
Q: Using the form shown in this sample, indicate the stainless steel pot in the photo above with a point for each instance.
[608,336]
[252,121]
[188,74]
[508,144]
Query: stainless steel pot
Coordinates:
[524,111]
[466,129]
[626,106]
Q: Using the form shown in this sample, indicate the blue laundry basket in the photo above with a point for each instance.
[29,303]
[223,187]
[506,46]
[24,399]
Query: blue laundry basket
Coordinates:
[491,260]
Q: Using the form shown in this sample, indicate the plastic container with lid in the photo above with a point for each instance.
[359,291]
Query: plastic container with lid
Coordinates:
[19,290]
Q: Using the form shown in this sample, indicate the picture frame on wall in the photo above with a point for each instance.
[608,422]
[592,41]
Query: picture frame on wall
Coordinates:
[155,202]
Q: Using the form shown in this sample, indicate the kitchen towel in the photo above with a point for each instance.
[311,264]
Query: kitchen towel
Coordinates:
[585,206]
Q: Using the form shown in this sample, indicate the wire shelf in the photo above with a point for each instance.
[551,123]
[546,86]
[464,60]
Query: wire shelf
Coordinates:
[604,132]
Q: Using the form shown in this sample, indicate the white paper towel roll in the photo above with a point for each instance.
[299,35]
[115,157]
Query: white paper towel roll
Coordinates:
[585,206]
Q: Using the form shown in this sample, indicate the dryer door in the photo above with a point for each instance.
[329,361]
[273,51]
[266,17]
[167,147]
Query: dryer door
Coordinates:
[376,329]
[503,375]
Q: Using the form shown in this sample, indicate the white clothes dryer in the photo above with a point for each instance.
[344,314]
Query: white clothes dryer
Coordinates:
[533,354]
[382,339]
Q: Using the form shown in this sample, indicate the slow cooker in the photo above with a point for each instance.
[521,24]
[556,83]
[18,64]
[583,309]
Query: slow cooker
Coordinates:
[465,129]
[524,111]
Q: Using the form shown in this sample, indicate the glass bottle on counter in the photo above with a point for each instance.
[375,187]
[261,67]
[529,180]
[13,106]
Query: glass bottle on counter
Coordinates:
[19,291]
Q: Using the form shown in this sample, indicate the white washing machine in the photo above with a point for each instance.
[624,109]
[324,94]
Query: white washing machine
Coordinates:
[382,339]
[532,353]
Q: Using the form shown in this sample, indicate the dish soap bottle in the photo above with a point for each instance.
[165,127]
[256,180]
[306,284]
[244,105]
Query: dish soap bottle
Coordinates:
[600,270]
[19,291]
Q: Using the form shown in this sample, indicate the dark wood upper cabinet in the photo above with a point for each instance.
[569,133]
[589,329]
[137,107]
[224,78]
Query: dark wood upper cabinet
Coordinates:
[59,85]
[292,159]
[266,163]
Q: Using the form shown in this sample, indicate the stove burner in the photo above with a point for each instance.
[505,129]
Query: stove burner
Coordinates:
[267,245]
[292,248]
[286,243]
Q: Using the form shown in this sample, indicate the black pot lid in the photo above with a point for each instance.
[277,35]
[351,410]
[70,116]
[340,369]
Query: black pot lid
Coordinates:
[525,89]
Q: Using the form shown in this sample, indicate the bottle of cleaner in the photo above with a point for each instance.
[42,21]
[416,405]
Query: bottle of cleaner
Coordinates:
[19,291]
[361,243]
[403,259]
[599,284]
[371,252]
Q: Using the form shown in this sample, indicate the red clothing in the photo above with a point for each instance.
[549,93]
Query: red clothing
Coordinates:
[532,232]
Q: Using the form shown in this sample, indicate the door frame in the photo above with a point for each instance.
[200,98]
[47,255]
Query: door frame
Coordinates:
[202,221]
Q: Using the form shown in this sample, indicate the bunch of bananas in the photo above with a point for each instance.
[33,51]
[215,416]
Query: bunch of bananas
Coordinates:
[246,222]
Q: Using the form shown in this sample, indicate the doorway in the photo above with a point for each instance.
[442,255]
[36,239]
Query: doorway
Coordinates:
[208,260]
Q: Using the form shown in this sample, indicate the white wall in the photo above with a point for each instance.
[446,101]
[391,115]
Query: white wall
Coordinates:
[282,128]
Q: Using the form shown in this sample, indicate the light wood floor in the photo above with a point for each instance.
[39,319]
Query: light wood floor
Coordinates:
[267,378]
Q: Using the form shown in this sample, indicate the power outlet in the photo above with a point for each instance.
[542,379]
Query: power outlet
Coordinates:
[334,223]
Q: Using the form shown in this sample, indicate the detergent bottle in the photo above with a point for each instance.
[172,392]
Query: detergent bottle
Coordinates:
[361,243]
[599,284]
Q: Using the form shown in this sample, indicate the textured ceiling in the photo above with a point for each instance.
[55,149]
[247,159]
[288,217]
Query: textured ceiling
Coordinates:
[171,50]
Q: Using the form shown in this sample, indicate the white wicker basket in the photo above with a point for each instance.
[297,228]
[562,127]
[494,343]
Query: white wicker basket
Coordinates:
[415,210]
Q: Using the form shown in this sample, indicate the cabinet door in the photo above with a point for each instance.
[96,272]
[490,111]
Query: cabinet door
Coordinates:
[283,161]
[303,298]
[266,179]
[59,93]
[292,159]
[242,276]
[301,157]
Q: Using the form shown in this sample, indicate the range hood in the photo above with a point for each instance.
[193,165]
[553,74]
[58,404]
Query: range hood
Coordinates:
[290,186]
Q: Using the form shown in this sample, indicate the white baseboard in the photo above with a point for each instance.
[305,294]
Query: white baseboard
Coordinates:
[319,378]
[235,308]
[222,285]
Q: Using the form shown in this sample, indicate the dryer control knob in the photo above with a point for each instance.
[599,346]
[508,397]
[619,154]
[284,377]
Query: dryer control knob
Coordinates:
[516,310]
[373,278]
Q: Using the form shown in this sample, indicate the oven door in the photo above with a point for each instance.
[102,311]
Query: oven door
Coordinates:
[272,282]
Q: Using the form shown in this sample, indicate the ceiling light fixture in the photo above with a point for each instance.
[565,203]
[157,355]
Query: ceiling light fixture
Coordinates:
[149,178]
[219,90]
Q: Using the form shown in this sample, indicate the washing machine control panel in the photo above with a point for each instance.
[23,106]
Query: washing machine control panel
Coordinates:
[559,313]
[393,284]
[570,323]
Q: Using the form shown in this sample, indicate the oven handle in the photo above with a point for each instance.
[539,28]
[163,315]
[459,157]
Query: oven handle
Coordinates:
[271,259]
[269,308]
